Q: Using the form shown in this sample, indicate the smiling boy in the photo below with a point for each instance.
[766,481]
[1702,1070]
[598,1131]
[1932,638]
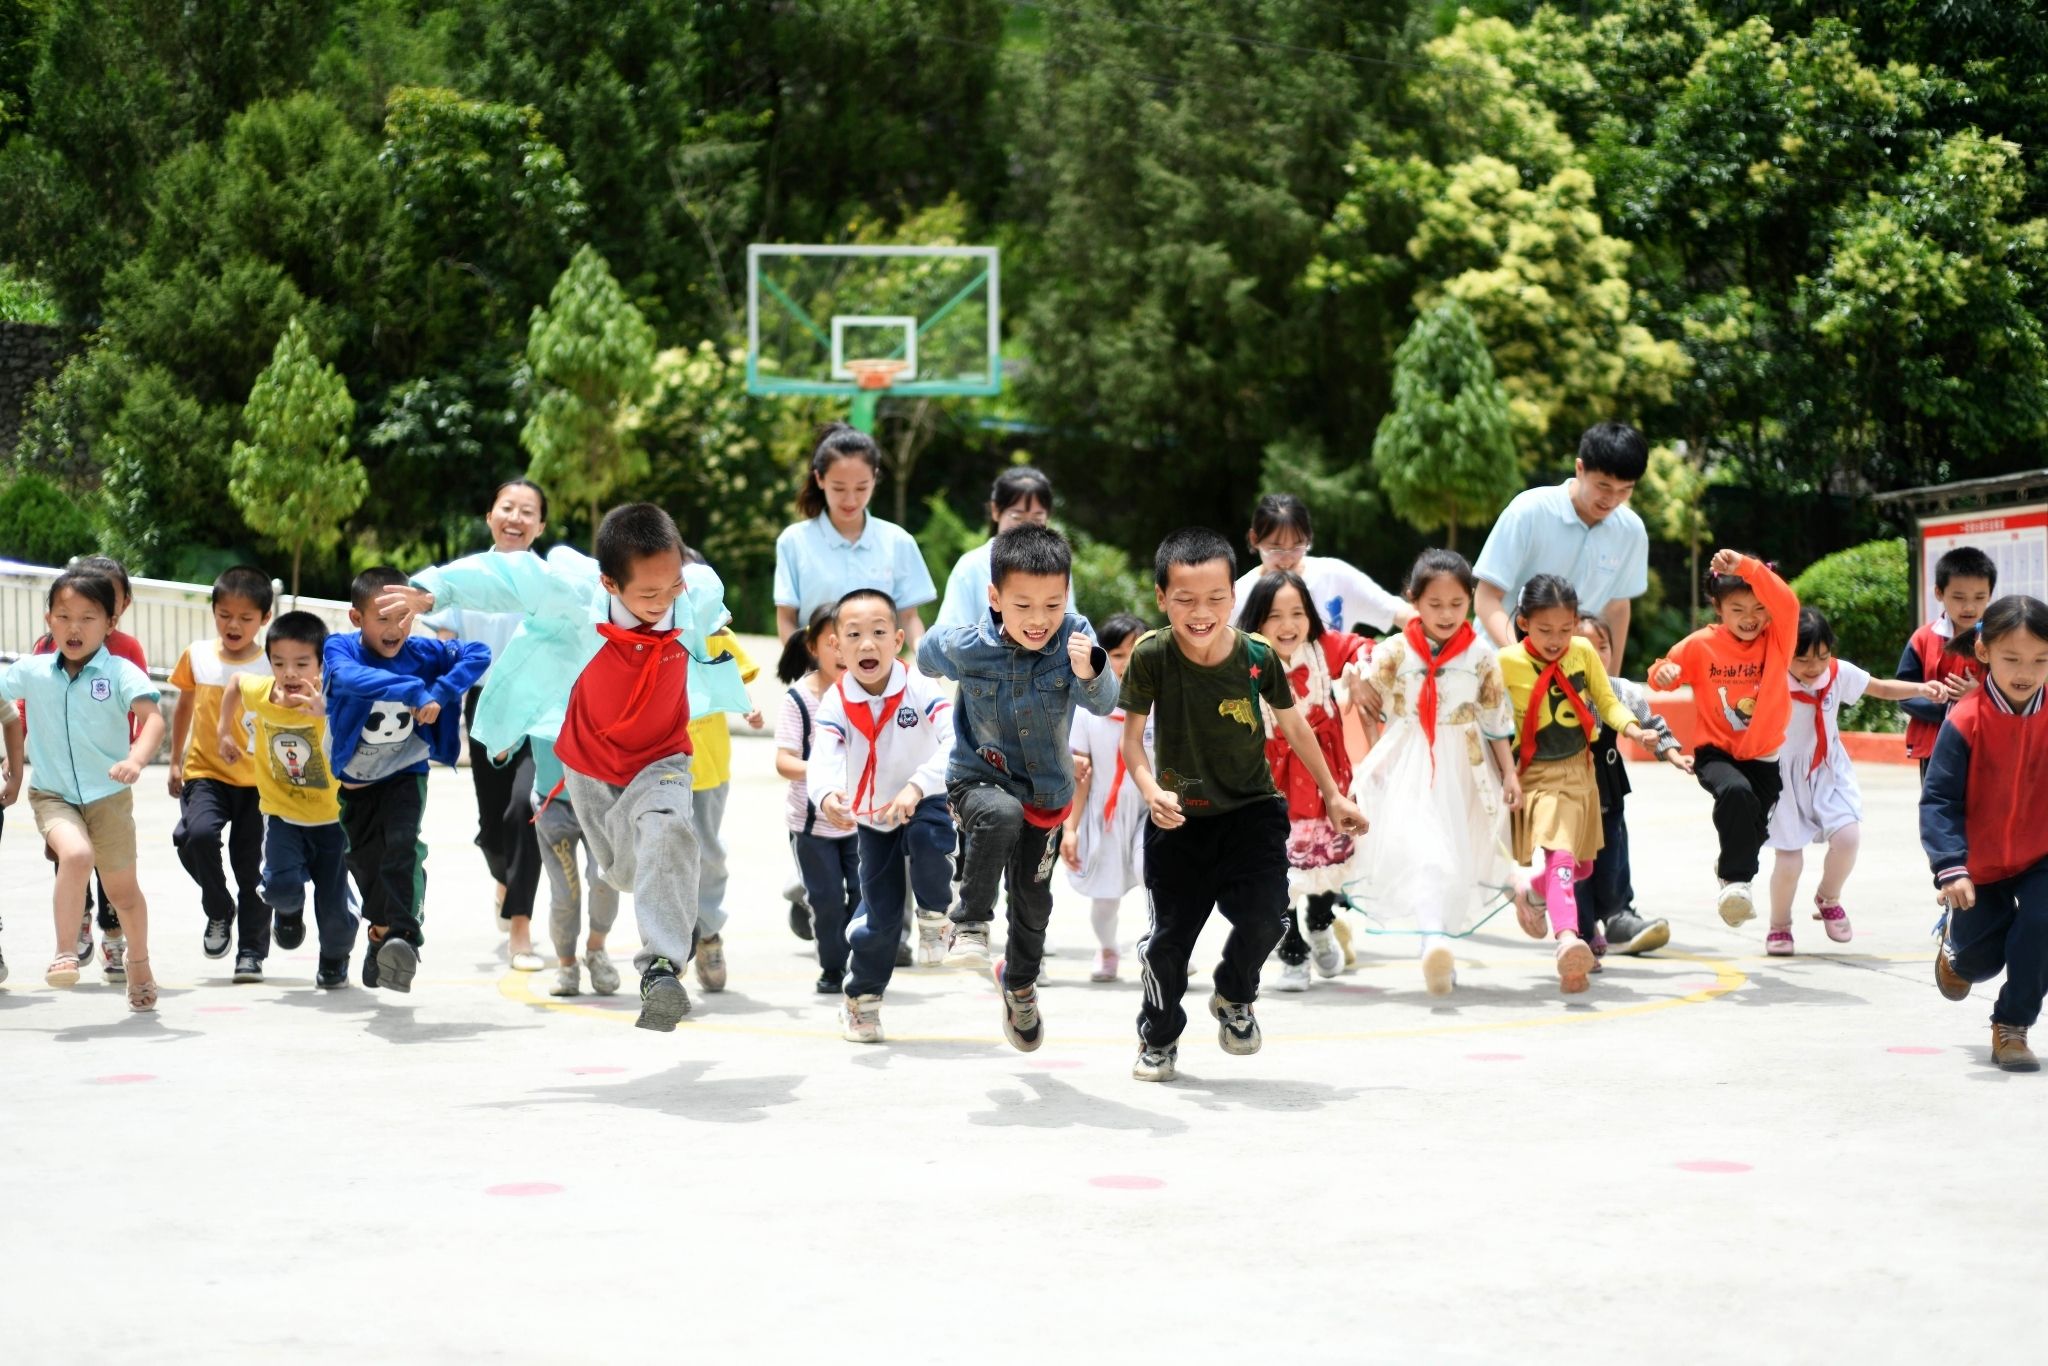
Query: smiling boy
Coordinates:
[1022,670]
[1964,580]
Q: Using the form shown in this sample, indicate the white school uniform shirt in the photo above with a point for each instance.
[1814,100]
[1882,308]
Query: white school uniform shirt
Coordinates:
[1344,595]
[1816,802]
[912,745]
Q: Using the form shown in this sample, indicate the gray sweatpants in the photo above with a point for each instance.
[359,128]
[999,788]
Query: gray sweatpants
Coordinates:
[559,833]
[645,839]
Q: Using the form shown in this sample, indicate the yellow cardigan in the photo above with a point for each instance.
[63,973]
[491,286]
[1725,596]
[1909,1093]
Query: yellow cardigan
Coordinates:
[1558,733]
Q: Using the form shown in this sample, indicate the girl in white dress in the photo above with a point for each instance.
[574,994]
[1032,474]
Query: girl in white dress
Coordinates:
[1439,785]
[1104,840]
[1820,803]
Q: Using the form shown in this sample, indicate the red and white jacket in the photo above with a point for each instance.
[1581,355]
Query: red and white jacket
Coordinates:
[911,725]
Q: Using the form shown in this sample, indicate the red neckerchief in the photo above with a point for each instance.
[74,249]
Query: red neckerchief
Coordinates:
[1432,664]
[870,726]
[1819,702]
[1116,786]
[650,670]
[1539,697]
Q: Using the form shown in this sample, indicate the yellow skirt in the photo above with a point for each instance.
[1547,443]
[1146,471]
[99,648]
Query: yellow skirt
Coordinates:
[1560,809]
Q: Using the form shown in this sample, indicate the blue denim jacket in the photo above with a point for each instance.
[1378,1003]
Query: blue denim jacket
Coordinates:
[1010,722]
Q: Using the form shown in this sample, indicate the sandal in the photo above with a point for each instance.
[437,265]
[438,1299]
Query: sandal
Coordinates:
[141,995]
[63,971]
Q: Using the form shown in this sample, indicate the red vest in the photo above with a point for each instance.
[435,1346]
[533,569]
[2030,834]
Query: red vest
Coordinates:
[628,708]
[2007,827]
[1935,666]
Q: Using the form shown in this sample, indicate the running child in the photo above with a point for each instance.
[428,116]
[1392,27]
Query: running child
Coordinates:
[283,741]
[1320,666]
[560,832]
[827,857]
[1342,596]
[216,797]
[1820,801]
[1559,693]
[1439,785]
[1986,831]
[86,758]
[1022,669]
[878,769]
[394,703]
[1738,669]
[1218,835]
[1103,840]
[1964,580]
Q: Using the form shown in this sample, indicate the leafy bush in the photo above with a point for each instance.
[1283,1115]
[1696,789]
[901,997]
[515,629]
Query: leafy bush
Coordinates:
[40,525]
[25,300]
[1862,591]
[1107,582]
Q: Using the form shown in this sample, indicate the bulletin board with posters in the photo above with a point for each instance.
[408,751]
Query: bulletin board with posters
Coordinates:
[2016,539]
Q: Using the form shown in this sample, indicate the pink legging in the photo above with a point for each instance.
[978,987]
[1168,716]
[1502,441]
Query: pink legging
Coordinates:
[1561,876]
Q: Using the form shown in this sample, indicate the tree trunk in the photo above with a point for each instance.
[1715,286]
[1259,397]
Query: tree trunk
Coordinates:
[1451,533]
[298,553]
[593,526]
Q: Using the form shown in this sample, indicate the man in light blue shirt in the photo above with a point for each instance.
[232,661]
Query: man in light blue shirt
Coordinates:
[1581,530]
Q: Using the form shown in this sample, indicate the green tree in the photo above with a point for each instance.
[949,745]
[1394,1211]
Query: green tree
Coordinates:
[1671,499]
[294,479]
[40,525]
[592,354]
[1446,453]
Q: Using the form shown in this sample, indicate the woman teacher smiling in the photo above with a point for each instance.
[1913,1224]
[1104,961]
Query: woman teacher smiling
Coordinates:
[841,546]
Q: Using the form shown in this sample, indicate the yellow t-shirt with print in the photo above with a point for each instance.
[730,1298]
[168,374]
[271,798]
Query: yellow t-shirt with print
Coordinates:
[711,736]
[204,674]
[294,777]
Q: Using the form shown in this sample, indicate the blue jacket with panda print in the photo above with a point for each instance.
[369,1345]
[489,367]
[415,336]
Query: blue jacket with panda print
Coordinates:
[372,703]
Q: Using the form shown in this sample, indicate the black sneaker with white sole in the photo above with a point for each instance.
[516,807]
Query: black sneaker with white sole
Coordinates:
[1236,1029]
[800,922]
[248,967]
[397,961]
[1630,933]
[219,933]
[289,930]
[663,1000]
[1156,1064]
[333,973]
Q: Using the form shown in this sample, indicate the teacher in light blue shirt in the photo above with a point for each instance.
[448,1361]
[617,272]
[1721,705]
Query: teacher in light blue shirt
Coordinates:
[1021,495]
[842,546]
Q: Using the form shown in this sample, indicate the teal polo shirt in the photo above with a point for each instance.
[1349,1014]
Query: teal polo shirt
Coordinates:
[78,727]
[815,565]
[1540,532]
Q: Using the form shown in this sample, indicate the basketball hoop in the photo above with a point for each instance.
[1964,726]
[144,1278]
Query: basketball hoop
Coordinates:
[876,374]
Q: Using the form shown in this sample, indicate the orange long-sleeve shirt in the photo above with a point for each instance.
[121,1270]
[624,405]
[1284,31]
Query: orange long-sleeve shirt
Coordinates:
[1739,686]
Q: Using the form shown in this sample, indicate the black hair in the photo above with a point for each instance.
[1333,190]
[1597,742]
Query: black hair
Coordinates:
[2012,613]
[243,581]
[800,651]
[1614,449]
[87,583]
[107,567]
[1814,630]
[1280,512]
[1191,545]
[522,482]
[1965,562]
[1029,549]
[371,584]
[1544,592]
[857,594]
[301,628]
[837,441]
[1719,586]
[1434,564]
[1599,624]
[630,533]
[1118,629]
[1258,602]
[1020,484]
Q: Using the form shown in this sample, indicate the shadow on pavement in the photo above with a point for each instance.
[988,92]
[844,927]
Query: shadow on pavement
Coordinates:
[1261,1093]
[1054,1104]
[1773,989]
[681,1092]
[128,1025]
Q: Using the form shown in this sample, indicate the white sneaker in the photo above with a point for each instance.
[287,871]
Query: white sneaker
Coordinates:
[934,937]
[117,958]
[1439,969]
[1293,977]
[604,978]
[1734,903]
[970,947]
[3,967]
[1323,947]
[861,1019]
[568,981]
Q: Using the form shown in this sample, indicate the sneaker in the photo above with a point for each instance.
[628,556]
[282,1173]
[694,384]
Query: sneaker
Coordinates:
[1833,919]
[248,968]
[1734,904]
[215,941]
[1953,986]
[1293,976]
[830,984]
[289,930]
[117,958]
[1106,963]
[934,937]
[663,1000]
[3,967]
[1021,1023]
[710,959]
[333,973]
[903,955]
[397,961]
[1156,1064]
[1439,969]
[860,1018]
[1236,1029]
[1631,934]
[800,920]
[1322,946]
[2009,1049]
[370,963]
[604,978]
[970,946]
[568,980]
[85,938]
[1574,964]
[1778,943]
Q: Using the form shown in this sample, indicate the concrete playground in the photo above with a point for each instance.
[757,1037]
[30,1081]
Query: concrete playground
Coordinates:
[1711,1157]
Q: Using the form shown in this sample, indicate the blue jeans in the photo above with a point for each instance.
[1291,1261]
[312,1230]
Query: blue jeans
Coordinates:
[925,843]
[2007,929]
[294,855]
[831,872]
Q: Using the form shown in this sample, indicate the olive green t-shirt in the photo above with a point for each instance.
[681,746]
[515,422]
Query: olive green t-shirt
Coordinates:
[1209,740]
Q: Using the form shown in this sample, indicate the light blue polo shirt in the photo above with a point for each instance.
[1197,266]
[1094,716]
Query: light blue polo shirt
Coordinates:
[77,727]
[1541,533]
[815,565]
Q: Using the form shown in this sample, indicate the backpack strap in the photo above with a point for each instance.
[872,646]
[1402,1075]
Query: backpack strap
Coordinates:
[804,715]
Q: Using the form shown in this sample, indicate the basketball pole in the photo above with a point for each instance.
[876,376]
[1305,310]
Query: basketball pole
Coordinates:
[862,418]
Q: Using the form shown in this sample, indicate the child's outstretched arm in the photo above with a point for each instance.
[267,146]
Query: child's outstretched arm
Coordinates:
[1342,812]
[1773,592]
[1903,691]
[226,737]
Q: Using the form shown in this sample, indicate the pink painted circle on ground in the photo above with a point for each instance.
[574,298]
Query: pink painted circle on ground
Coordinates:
[123,1078]
[525,1188]
[1919,1050]
[1126,1183]
[595,1071]
[1495,1057]
[1052,1064]
[1714,1165]
[220,1010]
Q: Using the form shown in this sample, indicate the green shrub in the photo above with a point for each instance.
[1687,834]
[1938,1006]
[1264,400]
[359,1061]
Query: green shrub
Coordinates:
[39,524]
[24,299]
[1862,591]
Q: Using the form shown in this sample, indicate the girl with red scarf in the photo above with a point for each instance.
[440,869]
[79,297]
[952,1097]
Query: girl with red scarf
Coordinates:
[1439,785]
